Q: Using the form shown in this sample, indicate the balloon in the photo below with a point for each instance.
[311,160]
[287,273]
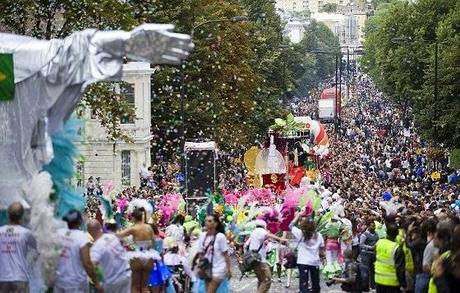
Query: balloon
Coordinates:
[190,225]
[386,195]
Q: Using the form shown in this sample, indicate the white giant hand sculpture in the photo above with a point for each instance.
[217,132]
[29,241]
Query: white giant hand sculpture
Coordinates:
[50,77]
[153,43]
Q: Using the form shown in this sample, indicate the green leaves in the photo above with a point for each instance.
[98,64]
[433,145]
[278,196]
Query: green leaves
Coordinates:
[286,126]
[280,122]
[400,57]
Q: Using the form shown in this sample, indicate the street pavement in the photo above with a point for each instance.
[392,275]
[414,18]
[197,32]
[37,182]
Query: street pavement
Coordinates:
[248,284]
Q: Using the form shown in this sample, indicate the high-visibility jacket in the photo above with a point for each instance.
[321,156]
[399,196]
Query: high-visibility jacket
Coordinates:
[408,258]
[432,286]
[385,265]
[400,239]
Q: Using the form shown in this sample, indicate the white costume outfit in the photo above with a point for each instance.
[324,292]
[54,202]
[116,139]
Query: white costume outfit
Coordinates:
[49,78]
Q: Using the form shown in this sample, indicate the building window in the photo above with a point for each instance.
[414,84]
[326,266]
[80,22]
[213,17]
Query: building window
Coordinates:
[126,168]
[126,90]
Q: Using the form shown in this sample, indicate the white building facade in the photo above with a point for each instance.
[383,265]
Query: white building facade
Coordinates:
[292,5]
[295,30]
[118,161]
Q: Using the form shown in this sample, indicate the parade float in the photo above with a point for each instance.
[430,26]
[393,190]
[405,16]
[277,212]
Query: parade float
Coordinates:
[294,149]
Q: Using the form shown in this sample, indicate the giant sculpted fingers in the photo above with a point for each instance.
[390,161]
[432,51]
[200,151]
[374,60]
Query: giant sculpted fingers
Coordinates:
[158,44]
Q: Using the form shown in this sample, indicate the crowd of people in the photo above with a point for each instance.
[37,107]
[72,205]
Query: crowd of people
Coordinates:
[383,222]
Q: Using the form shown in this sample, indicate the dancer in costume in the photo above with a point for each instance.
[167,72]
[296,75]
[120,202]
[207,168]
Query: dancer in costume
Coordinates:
[143,255]
[50,76]
[332,236]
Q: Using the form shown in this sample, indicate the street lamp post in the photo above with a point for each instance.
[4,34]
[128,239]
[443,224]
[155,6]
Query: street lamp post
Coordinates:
[336,81]
[436,71]
[183,88]
[336,123]
[283,47]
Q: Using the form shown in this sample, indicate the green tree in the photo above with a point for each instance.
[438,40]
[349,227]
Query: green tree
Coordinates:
[319,47]
[400,58]
[329,8]
[233,78]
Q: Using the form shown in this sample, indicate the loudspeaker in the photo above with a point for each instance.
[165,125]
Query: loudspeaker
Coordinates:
[200,172]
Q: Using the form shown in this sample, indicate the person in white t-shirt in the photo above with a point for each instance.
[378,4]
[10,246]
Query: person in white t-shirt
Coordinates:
[74,264]
[15,240]
[108,253]
[178,264]
[256,242]
[176,230]
[213,244]
[310,246]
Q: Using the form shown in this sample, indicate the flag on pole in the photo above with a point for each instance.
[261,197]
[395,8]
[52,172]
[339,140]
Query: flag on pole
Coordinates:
[6,77]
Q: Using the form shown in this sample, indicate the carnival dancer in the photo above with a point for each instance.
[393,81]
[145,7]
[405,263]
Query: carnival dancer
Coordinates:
[15,241]
[332,235]
[144,255]
[212,251]
[108,253]
[74,264]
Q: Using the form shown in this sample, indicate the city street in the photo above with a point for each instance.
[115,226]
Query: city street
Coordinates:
[145,144]
[248,284]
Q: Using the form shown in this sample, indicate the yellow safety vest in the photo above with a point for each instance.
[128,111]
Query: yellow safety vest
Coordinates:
[432,286]
[385,267]
[400,239]
[408,258]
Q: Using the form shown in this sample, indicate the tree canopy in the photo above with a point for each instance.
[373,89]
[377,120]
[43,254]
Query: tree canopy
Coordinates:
[400,57]
[237,80]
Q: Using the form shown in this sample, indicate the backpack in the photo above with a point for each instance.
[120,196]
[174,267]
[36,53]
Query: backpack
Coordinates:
[250,259]
[204,265]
